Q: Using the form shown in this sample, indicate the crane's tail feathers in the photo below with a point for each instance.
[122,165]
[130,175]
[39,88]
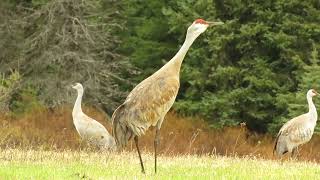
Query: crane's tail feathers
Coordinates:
[120,131]
[276,143]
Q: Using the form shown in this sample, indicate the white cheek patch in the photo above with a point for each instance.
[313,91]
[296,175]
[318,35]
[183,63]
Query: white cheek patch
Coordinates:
[200,26]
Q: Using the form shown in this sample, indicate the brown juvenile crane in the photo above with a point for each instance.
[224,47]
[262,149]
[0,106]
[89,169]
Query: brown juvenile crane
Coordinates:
[148,103]
[298,130]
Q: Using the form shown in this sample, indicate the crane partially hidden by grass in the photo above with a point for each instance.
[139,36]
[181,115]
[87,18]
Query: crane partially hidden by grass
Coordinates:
[298,130]
[148,103]
[89,129]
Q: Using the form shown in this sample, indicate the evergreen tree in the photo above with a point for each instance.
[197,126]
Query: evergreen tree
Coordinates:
[241,71]
[68,41]
[297,102]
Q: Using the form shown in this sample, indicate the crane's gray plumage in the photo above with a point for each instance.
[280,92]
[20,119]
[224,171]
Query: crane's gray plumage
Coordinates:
[89,129]
[298,130]
[148,103]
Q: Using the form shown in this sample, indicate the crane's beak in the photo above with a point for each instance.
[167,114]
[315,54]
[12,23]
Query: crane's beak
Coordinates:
[212,23]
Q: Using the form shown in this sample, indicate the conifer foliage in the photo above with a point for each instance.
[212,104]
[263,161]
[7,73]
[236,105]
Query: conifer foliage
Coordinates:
[244,70]
[256,68]
[68,41]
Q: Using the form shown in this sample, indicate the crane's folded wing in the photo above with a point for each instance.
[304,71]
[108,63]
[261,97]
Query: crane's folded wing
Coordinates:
[149,102]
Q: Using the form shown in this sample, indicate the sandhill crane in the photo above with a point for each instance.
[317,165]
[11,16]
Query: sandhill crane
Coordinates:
[298,130]
[148,103]
[89,129]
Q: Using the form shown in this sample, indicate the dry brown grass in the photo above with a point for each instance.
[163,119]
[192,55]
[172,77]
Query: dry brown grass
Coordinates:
[53,129]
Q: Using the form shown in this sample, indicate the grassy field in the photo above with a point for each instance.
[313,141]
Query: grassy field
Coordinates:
[31,164]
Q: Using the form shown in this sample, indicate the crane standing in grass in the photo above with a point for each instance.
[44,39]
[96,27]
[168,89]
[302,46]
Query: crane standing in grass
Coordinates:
[148,103]
[298,130]
[89,129]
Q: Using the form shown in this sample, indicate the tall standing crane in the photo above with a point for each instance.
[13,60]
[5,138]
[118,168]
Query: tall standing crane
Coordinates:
[298,130]
[148,103]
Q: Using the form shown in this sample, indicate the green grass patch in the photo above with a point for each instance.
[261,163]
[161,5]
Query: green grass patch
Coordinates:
[31,164]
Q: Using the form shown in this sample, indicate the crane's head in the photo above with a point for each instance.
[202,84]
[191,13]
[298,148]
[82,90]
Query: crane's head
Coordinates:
[77,86]
[312,93]
[200,25]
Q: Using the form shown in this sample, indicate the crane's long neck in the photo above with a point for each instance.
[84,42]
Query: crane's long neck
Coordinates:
[312,109]
[77,104]
[176,61]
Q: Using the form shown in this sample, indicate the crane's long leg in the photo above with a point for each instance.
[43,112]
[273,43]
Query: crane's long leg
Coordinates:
[141,163]
[294,153]
[156,143]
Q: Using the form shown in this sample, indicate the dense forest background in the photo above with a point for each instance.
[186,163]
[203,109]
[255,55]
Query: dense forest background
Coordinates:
[256,68]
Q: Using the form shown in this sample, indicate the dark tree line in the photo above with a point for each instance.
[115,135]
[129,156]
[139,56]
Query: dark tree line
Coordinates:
[255,69]
[60,43]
